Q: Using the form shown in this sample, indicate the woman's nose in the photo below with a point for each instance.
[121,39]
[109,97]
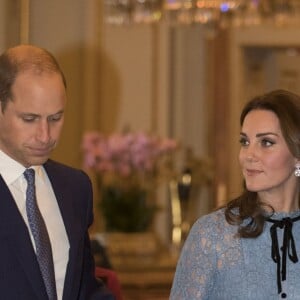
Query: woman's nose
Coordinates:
[251,154]
[250,158]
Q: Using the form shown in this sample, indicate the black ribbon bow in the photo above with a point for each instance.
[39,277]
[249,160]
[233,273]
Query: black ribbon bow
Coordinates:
[288,247]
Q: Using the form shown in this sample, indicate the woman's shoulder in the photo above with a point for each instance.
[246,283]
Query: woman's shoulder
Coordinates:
[214,218]
[212,236]
[214,224]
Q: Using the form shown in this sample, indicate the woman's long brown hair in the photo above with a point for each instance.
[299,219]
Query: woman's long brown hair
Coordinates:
[247,211]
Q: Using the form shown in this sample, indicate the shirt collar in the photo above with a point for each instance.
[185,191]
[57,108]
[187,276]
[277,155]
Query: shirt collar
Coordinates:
[11,170]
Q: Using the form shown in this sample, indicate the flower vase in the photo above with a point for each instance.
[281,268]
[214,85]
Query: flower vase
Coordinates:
[126,209]
[128,218]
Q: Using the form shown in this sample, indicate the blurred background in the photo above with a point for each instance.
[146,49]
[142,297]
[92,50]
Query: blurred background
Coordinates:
[178,69]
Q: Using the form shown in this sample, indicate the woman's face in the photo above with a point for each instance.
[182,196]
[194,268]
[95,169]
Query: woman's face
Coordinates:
[266,161]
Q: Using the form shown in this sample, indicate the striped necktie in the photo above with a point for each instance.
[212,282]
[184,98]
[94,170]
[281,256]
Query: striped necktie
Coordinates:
[40,235]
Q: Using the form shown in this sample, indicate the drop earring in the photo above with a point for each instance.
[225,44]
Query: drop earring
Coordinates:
[297,169]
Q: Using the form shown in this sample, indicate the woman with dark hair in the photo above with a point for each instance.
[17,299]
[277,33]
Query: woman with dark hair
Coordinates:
[249,249]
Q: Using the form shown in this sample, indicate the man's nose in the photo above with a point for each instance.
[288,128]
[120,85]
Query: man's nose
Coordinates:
[43,132]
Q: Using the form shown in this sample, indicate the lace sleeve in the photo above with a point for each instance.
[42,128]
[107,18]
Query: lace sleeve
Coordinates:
[201,257]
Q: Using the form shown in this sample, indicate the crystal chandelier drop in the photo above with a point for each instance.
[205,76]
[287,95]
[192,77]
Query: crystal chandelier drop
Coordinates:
[206,12]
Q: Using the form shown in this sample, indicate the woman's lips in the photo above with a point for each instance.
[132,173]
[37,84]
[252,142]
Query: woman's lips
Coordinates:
[251,172]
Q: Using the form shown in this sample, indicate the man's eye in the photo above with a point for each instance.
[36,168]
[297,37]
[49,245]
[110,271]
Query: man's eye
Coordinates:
[55,118]
[244,142]
[28,119]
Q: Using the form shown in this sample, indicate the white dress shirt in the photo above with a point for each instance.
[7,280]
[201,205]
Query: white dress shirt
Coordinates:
[12,173]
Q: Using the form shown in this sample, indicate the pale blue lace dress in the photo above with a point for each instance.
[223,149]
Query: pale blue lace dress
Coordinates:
[216,265]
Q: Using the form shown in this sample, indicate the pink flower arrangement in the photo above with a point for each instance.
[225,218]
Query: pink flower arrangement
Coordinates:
[127,168]
[138,157]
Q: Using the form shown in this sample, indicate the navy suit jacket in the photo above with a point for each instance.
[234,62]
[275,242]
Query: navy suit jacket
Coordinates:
[20,277]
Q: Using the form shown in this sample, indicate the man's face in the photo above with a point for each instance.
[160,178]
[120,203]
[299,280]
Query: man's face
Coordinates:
[32,121]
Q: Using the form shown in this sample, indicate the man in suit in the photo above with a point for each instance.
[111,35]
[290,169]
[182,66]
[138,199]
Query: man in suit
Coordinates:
[33,99]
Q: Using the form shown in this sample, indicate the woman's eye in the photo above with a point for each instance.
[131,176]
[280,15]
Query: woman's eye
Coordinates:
[244,142]
[267,143]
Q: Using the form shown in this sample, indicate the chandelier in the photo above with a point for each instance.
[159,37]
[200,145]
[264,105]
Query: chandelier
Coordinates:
[220,13]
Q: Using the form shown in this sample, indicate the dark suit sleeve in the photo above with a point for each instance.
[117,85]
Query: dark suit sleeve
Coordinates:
[91,288]
[95,288]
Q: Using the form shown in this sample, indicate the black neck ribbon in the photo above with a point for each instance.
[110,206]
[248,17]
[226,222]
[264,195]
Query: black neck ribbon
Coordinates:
[288,247]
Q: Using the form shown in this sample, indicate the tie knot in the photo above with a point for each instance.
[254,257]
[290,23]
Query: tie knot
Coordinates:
[29,175]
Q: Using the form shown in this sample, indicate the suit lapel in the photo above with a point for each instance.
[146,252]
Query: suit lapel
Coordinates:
[64,195]
[15,232]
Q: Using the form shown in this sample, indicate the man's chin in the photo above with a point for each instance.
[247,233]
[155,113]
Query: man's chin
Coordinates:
[37,161]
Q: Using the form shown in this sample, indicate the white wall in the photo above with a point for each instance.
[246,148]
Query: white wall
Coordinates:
[59,27]
[129,51]
[155,79]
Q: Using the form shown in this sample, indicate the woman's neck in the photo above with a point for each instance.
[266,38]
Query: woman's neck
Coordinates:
[280,202]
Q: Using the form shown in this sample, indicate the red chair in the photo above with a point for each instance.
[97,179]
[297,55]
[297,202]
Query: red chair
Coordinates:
[111,280]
